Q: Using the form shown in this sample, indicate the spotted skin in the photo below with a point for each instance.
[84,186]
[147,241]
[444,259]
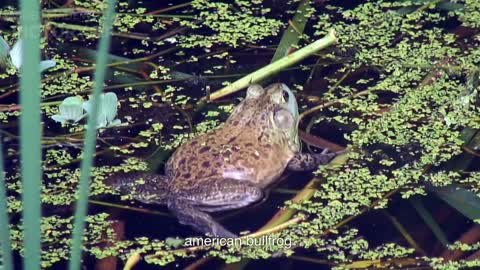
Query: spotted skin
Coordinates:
[144,187]
[308,162]
[231,166]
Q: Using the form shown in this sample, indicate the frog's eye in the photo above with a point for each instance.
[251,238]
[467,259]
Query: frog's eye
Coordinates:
[286,96]
[284,119]
[254,91]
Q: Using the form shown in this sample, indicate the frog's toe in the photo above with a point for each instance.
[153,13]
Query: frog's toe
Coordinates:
[308,162]
[278,254]
[144,187]
[119,182]
[188,214]
[220,231]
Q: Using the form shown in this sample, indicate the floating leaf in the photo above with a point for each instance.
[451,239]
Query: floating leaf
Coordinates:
[70,110]
[109,106]
[108,110]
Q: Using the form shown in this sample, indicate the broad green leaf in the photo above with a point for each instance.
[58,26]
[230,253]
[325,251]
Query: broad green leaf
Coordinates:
[463,200]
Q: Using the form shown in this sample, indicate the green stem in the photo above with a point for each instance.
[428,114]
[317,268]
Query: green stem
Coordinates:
[170,8]
[30,130]
[275,67]
[83,28]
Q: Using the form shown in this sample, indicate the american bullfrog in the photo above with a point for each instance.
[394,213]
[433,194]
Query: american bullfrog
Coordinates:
[231,166]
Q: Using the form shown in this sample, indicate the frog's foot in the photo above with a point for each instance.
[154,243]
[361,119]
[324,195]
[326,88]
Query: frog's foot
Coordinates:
[187,214]
[308,162]
[214,194]
[141,186]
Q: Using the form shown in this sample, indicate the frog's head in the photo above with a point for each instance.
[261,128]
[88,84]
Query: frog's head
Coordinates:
[272,110]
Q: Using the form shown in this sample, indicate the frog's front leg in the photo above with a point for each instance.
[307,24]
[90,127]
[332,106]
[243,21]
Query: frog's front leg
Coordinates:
[308,162]
[215,194]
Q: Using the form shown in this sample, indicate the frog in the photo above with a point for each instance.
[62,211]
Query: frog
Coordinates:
[230,167]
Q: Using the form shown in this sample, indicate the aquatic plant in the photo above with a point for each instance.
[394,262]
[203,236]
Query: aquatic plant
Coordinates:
[71,109]
[14,56]
[108,111]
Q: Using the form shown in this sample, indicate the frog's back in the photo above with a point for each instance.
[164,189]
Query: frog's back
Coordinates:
[246,154]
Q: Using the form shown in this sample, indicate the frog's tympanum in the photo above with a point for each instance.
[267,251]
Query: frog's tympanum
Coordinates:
[231,166]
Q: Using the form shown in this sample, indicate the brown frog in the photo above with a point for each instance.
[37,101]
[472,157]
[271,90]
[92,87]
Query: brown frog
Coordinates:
[231,166]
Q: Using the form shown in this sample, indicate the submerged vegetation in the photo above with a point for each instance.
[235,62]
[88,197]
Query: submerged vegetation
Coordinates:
[400,88]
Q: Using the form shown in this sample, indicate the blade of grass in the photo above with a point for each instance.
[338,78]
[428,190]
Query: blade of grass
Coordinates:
[5,242]
[429,220]
[291,36]
[90,140]
[30,131]
[406,235]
